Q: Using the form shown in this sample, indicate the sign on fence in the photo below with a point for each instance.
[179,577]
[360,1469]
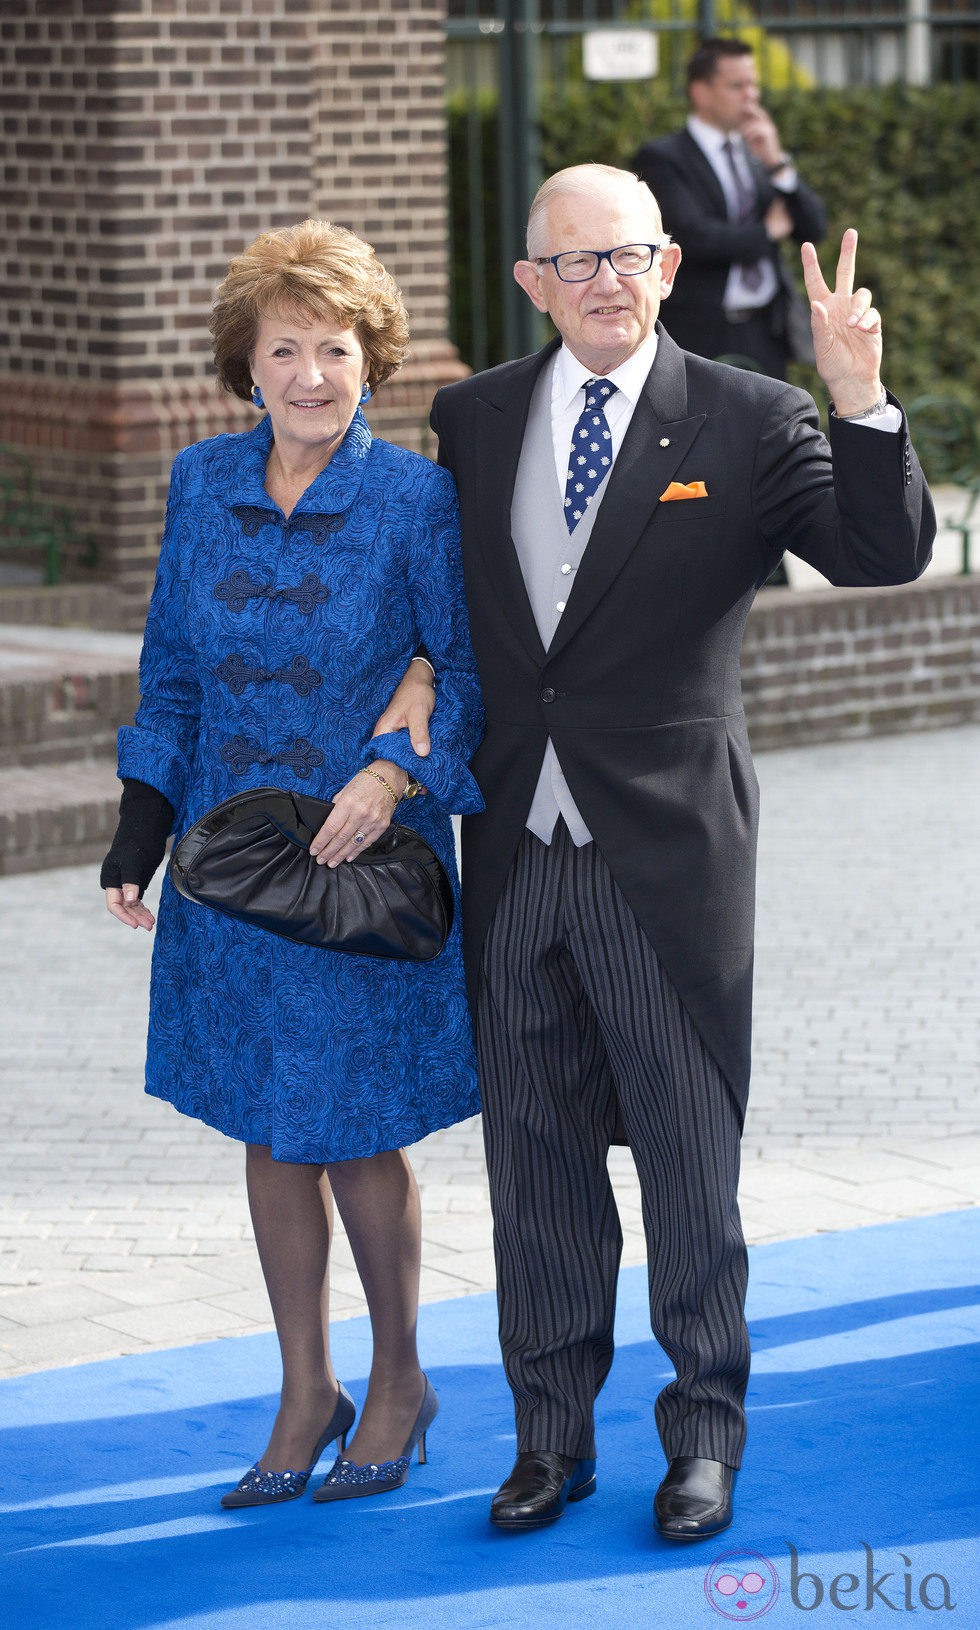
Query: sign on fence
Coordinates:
[619,53]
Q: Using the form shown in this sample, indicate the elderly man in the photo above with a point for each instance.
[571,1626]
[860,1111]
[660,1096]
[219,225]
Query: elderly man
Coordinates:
[731,195]
[621,503]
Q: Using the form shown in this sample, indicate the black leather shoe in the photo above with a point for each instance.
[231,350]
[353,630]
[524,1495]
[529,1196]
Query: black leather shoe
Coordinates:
[694,1500]
[538,1489]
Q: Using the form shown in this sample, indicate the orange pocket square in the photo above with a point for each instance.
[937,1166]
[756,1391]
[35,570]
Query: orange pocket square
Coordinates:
[678,489]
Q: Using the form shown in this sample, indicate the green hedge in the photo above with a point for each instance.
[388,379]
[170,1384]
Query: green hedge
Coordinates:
[901,164]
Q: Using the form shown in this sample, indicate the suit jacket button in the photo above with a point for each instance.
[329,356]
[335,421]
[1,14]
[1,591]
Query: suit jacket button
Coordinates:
[548,694]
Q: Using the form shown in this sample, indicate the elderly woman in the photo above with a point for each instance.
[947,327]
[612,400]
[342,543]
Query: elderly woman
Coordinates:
[303,565]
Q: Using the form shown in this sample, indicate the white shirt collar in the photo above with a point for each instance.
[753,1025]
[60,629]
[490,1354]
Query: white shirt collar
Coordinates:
[709,138]
[629,377]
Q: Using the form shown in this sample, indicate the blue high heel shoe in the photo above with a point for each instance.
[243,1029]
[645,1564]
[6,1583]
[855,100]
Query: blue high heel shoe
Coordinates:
[268,1488]
[346,1481]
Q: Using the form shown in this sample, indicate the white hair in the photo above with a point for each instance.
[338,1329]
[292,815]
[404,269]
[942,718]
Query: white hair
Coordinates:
[597,181]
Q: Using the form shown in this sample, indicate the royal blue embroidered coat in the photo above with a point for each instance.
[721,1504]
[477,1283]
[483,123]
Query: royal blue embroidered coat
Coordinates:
[271,648]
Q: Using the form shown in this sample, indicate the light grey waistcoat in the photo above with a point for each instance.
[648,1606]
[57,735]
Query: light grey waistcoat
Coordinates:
[549,555]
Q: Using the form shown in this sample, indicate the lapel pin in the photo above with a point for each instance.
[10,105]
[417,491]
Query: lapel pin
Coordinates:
[665,441]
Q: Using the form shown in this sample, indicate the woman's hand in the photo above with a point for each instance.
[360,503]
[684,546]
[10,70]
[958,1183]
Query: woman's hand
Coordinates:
[125,903]
[361,812]
[140,843]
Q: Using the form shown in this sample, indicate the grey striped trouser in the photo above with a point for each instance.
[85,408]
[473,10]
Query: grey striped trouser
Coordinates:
[575,1012]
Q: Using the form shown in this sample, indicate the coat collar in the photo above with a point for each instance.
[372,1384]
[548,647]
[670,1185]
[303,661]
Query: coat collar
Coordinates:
[702,167]
[696,156]
[335,488]
[659,436]
[504,401]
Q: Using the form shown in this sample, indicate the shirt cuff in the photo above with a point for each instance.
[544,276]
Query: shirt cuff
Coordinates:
[889,420]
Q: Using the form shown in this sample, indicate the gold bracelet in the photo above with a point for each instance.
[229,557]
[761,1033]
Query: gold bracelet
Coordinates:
[389,789]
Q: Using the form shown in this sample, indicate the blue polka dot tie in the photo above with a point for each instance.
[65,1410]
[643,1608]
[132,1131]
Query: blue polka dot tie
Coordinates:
[590,458]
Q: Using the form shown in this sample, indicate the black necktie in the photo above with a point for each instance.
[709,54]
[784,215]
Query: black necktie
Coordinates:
[745,210]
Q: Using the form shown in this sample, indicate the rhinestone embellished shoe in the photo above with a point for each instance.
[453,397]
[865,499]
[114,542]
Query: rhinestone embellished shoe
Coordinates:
[269,1488]
[346,1481]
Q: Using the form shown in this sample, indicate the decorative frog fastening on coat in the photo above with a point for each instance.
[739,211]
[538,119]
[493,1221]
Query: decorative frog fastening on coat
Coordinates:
[239,588]
[241,752]
[253,518]
[237,674]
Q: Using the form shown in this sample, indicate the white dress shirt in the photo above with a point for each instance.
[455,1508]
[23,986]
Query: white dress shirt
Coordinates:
[711,142]
[567,401]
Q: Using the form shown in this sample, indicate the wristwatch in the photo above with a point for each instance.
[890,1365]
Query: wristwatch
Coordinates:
[872,412]
[412,788]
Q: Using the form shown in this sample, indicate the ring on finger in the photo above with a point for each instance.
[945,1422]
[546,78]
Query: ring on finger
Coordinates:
[359,837]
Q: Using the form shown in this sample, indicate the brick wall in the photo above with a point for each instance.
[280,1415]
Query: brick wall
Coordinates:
[378,133]
[144,144]
[830,664]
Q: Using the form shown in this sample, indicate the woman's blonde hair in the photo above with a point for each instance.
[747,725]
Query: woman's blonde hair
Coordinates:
[316,270]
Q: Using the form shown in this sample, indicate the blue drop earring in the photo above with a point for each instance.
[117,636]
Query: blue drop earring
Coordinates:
[365,394]
[257,397]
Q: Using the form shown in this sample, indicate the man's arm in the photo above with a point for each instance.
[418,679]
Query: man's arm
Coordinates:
[414,700]
[412,705]
[807,214]
[876,524]
[808,217]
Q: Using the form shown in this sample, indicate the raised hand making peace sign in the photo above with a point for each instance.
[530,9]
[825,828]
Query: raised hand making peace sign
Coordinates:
[846,330]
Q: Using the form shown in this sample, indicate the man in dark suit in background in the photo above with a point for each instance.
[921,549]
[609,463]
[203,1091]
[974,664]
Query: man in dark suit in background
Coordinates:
[621,503]
[730,195]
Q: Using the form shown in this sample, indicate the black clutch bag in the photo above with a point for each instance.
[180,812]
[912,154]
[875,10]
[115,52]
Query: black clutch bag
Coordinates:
[249,858]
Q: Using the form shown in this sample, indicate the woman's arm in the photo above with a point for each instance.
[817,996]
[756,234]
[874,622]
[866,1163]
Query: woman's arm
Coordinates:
[438,601]
[145,820]
[159,747]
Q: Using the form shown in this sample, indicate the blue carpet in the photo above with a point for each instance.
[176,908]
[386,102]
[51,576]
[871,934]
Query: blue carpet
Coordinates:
[860,1491]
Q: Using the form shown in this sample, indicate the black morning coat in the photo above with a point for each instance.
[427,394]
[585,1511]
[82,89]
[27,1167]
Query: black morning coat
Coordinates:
[640,690]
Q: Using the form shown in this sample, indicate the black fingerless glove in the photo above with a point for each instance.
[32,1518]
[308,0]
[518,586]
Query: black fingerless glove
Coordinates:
[140,843]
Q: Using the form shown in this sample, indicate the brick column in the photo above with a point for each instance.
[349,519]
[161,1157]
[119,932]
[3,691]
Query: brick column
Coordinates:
[379,167]
[149,141]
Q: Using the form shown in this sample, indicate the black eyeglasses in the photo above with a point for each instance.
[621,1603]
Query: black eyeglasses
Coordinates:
[578,265]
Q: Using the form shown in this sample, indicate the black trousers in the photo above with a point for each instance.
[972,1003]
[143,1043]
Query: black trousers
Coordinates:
[755,339]
[575,1016]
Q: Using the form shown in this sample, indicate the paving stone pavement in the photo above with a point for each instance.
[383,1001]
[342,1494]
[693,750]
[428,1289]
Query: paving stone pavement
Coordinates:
[123,1226]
